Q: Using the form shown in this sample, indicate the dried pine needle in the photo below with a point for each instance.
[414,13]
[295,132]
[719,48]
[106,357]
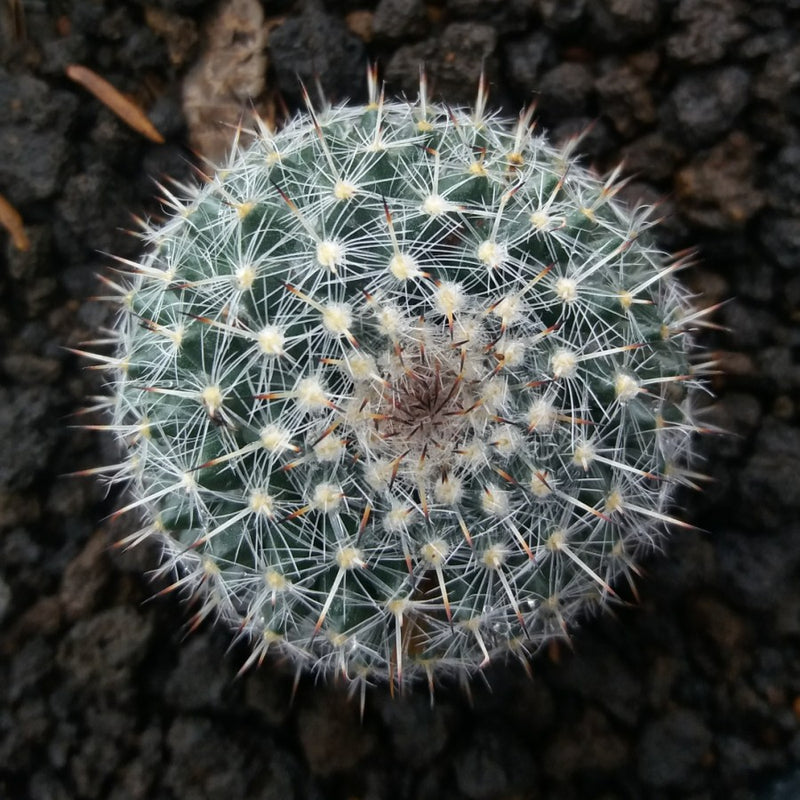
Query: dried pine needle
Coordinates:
[17,12]
[11,220]
[125,109]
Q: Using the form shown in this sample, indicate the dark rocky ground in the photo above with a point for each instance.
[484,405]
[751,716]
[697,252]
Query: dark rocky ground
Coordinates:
[694,693]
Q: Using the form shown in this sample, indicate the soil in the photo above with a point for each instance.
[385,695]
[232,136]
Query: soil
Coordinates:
[691,692]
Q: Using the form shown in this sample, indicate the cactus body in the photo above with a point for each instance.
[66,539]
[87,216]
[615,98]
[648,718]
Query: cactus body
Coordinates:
[402,388]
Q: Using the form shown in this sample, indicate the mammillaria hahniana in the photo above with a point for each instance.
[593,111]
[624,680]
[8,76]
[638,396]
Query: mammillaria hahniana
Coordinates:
[402,387]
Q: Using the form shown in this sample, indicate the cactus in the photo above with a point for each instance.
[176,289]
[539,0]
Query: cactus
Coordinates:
[401,388]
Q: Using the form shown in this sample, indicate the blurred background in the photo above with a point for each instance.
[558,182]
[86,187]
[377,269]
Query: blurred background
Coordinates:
[693,691]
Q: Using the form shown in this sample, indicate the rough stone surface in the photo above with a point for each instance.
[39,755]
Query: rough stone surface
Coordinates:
[329,734]
[704,105]
[26,433]
[627,99]
[672,748]
[228,75]
[560,14]
[453,62]
[769,480]
[203,763]
[707,30]
[100,652]
[317,45]
[84,580]
[688,691]
[621,21]
[197,682]
[34,122]
[525,59]
[399,19]
[716,189]
[783,176]
[566,89]
[485,769]
[590,744]
[419,733]
[780,236]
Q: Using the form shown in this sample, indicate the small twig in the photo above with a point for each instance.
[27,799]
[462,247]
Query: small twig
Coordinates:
[124,108]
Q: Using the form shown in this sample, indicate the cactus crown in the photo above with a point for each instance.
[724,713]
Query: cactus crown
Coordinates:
[401,387]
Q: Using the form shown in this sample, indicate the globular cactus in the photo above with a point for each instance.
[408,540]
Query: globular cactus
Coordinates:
[402,388]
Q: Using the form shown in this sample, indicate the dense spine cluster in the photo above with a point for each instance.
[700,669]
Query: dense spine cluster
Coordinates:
[401,387]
